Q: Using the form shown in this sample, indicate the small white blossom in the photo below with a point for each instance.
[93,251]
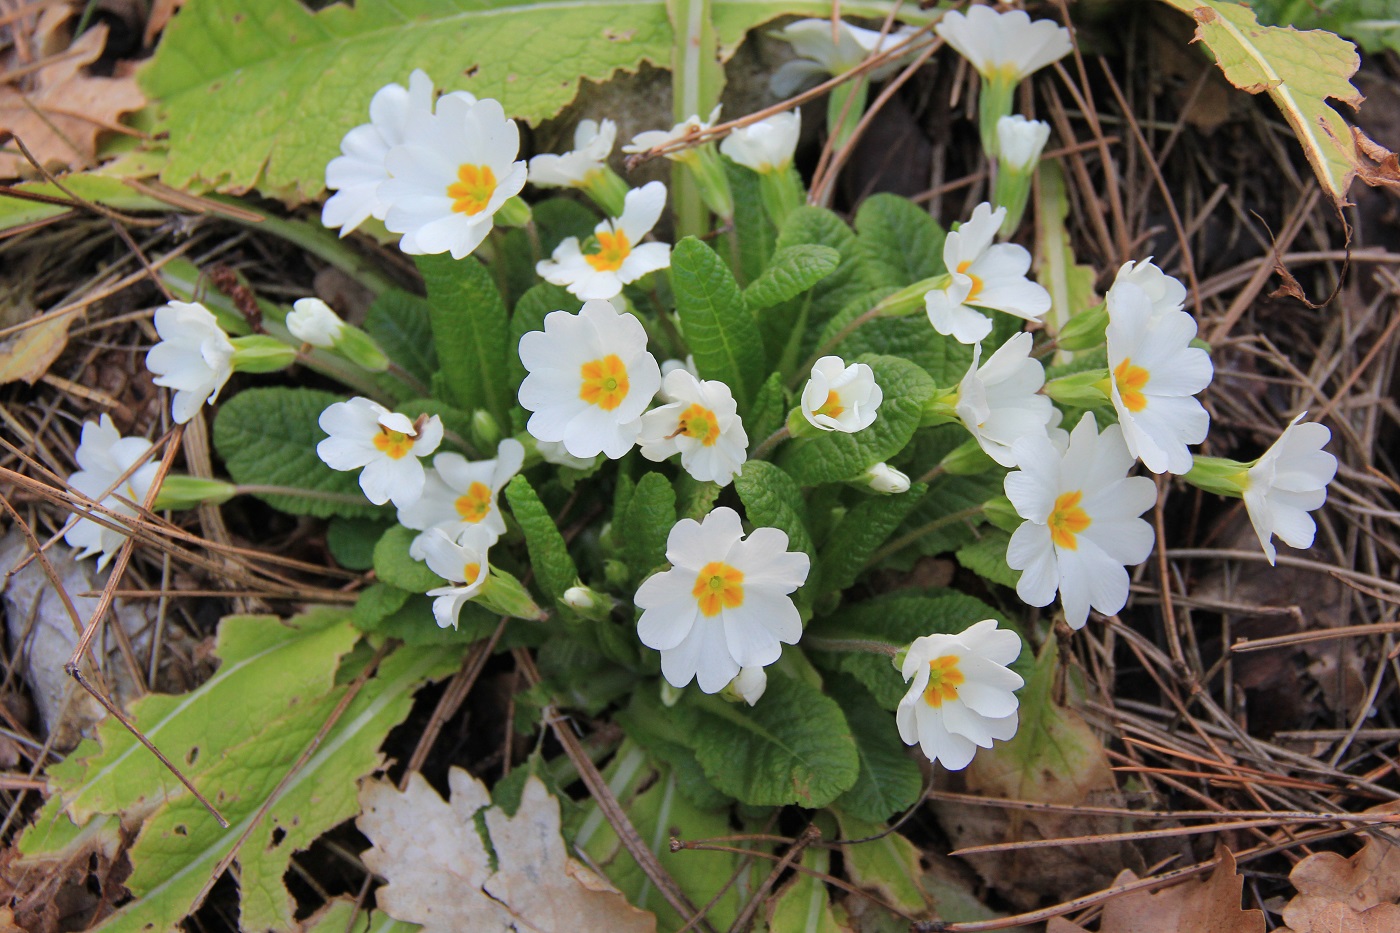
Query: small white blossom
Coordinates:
[593,143]
[461,561]
[983,275]
[885,479]
[458,494]
[103,455]
[386,444]
[1000,401]
[1082,526]
[750,684]
[194,356]
[590,378]
[1164,291]
[312,321]
[1020,141]
[620,256]
[766,146]
[701,422]
[556,453]
[724,604]
[579,597]
[842,398]
[1154,376]
[453,171]
[961,693]
[687,364]
[651,139]
[821,52]
[1287,483]
[1008,44]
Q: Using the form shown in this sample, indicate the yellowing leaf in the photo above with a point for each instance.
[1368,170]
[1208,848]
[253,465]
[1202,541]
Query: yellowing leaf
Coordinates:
[1301,71]
[439,870]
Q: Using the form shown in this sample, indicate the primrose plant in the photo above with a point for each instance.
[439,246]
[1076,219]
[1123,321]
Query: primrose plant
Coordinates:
[682,470]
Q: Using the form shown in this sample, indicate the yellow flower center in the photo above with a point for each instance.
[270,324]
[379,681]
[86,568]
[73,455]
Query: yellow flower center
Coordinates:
[473,504]
[718,586]
[604,382]
[473,189]
[470,572]
[976,282]
[832,407]
[1131,381]
[699,422]
[1068,519]
[944,677]
[613,249]
[393,444]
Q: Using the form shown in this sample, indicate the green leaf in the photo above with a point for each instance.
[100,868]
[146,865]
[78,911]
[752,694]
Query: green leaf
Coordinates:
[986,557]
[413,623]
[771,499]
[401,324]
[792,271]
[753,230]
[838,456]
[549,555]
[794,747]
[718,328]
[899,241]
[351,541]
[935,524]
[883,861]
[470,332]
[652,726]
[394,566]
[890,781]
[644,525]
[803,903]
[769,410]
[376,603]
[268,437]
[823,227]
[109,192]
[860,531]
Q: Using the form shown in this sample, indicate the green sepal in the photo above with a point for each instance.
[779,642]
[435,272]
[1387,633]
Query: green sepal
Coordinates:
[1080,390]
[185,492]
[1219,475]
[259,353]
[1086,330]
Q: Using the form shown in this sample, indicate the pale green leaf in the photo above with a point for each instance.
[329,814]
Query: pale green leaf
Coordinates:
[889,781]
[883,861]
[644,524]
[549,555]
[653,726]
[803,903]
[899,241]
[470,332]
[790,272]
[394,566]
[719,330]
[109,192]
[862,529]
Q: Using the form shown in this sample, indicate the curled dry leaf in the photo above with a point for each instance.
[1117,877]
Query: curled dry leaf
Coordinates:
[439,870]
[1349,895]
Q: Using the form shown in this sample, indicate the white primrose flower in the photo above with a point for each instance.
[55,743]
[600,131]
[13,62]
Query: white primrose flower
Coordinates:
[385,443]
[460,560]
[687,364]
[1154,376]
[1005,44]
[822,52]
[593,143]
[1082,525]
[194,356]
[842,398]
[312,321]
[356,174]
[983,275]
[1287,483]
[724,605]
[454,169]
[651,139]
[1000,401]
[1020,141]
[961,693]
[458,494]
[620,258]
[1164,291]
[885,479]
[766,146]
[590,378]
[103,455]
[701,422]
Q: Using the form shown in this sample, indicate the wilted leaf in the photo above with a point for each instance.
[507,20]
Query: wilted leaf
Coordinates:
[27,356]
[1349,895]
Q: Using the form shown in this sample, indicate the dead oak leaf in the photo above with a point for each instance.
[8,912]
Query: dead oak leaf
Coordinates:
[1349,895]
[439,869]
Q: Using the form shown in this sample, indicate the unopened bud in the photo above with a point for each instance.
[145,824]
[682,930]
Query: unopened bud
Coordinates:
[748,686]
[312,321]
[884,478]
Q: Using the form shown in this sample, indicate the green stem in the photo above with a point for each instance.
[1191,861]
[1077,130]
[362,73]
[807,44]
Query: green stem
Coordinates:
[769,442]
[825,349]
[905,540]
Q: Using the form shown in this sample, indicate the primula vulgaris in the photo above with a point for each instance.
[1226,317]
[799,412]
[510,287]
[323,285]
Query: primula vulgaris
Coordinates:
[1004,44]
[459,494]
[593,143]
[590,378]
[842,398]
[194,356]
[312,321]
[961,693]
[700,421]
[1287,483]
[1020,142]
[724,604]
[453,171]
[460,560]
[1165,292]
[651,139]
[1000,401]
[103,455]
[1154,373]
[885,479]
[1082,525]
[983,275]
[619,256]
[824,48]
[766,146]
[386,444]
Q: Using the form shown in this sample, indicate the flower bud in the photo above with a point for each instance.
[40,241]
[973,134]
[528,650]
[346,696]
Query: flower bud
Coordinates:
[748,686]
[312,321]
[885,479]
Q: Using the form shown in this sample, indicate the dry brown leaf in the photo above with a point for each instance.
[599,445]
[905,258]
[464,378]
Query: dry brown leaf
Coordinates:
[58,111]
[439,871]
[27,355]
[1349,895]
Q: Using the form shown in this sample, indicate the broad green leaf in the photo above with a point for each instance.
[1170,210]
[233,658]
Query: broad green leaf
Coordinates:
[899,241]
[769,410]
[268,437]
[470,332]
[718,328]
[351,541]
[986,557]
[644,525]
[945,519]
[652,726]
[861,530]
[549,555]
[751,240]
[883,861]
[1071,285]
[109,192]
[1301,71]
[413,623]
[579,675]
[790,272]
[401,324]
[793,747]
[1373,24]
[773,500]
[890,781]
[803,903]
[394,566]
[376,603]
[840,456]
[823,227]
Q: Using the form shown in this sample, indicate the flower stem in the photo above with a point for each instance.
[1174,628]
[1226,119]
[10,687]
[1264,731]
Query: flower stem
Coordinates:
[825,349]
[865,645]
[905,540]
[769,442]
